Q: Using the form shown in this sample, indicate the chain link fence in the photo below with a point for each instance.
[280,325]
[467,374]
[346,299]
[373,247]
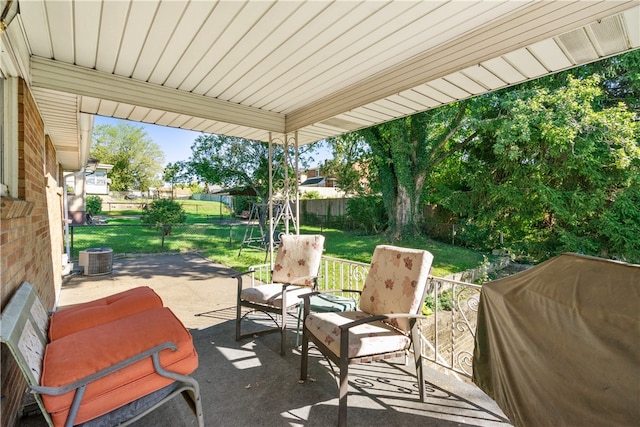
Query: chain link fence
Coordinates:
[126,238]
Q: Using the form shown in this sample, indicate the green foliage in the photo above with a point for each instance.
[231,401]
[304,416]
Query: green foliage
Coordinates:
[350,164]
[368,213]
[93,205]
[237,162]
[136,158]
[444,302]
[163,214]
[310,195]
[176,174]
[553,167]
[195,188]
[242,203]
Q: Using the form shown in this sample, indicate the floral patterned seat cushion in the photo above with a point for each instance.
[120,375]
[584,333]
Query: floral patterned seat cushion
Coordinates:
[396,283]
[364,340]
[271,294]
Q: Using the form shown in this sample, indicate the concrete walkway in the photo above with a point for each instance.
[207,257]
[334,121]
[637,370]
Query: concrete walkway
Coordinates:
[247,383]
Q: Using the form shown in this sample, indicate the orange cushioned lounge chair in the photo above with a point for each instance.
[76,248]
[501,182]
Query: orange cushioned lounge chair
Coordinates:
[110,374]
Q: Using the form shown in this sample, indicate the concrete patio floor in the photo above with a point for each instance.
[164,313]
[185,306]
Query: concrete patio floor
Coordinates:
[248,382]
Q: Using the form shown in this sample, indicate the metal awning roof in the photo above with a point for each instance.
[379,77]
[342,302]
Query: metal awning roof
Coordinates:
[321,68]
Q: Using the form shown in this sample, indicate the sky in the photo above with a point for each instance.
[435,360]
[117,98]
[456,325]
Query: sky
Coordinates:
[176,143]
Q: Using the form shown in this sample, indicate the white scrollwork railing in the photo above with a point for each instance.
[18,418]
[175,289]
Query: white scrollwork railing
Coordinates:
[335,273]
[448,334]
[449,331]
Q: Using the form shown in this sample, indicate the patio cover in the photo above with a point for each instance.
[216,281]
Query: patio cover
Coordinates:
[558,344]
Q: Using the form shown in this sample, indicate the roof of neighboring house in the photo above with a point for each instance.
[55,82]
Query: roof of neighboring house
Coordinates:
[313,181]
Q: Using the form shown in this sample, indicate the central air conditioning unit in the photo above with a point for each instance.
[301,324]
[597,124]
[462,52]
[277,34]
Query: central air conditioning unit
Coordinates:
[96,261]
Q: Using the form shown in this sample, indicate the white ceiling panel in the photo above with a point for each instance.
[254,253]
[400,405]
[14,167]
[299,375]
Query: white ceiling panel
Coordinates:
[60,15]
[320,67]
[85,35]
[107,108]
[449,89]
[550,55]
[465,83]
[139,20]
[153,116]
[608,35]
[160,33]
[111,34]
[632,25]
[179,121]
[434,94]
[504,70]
[139,114]
[193,123]
[578,46]
[526,64]
[420,99]
[89,105]
[123,110]
[191,22]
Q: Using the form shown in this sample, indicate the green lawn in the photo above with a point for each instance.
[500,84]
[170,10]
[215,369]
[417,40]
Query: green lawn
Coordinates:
[217,241]
[221,243]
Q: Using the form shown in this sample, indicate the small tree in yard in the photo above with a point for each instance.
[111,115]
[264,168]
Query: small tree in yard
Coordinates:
[163,214]
[93,205]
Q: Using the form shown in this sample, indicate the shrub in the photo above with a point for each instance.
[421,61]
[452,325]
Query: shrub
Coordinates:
[93,205]
[445,303]
[311,195]
[368,213]
[163,213]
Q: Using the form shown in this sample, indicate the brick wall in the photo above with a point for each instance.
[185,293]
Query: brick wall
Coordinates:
[25,235]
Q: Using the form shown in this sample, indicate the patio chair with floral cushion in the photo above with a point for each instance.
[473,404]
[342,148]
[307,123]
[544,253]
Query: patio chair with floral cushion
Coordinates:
[385,325]
[295,272]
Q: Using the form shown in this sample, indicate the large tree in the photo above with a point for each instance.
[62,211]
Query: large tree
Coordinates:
[555,167]
[136,158]
[403,154]
[233,162]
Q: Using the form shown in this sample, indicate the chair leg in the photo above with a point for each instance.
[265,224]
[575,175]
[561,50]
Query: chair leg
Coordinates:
[417,356]
[344,378]
[238,309]
[238,319]
[283,324]
[304,361]
[344,388]
[283,336]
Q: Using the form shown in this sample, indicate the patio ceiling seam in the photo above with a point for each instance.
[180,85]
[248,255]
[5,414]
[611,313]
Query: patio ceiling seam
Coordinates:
[54,75]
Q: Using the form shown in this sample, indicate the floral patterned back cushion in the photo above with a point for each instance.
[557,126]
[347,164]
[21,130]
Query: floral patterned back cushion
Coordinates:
[298,256]
[396,282]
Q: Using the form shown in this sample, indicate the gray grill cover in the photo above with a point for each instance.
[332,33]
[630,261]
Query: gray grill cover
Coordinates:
[558,344]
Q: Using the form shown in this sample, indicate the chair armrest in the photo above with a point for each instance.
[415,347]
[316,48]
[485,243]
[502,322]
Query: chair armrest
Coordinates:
[56,391]
[379,317]
[240,275]
[301,279]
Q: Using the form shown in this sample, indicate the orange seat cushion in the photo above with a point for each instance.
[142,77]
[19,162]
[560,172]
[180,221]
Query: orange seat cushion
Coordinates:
[103,310]
[83,353]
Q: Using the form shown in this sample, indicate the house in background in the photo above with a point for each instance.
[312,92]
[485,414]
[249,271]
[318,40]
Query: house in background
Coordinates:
[312,180]
[89,181]
[97,183]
